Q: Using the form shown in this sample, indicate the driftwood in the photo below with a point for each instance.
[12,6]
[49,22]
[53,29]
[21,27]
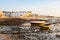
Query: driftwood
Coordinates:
[15,20]
[12,21]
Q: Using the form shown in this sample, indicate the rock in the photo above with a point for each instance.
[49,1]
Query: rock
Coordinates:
[58,34]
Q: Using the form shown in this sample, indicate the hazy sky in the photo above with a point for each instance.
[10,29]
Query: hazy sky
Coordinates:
[43,7]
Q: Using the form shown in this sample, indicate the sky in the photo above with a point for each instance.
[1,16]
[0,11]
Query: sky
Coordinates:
[42,7]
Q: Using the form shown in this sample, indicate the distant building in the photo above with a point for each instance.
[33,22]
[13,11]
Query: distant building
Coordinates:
[15,13]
